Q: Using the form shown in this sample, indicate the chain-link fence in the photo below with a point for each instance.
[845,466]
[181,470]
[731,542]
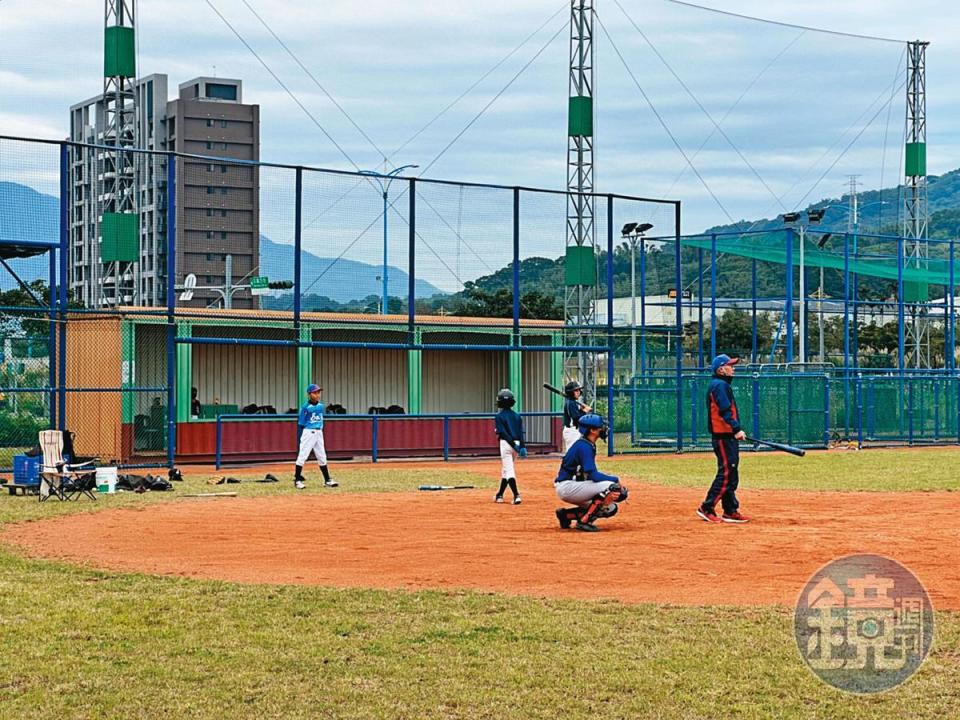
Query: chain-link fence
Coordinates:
[212,286]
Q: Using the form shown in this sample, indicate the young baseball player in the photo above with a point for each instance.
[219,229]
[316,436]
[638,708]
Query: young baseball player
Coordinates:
[509,428]
[581,484]
[724,423]
[311,437]
[573,410]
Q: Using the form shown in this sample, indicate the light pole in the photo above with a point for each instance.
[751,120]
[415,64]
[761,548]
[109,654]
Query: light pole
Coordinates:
[814,217]
[633,232]
[853,221]
[385,191]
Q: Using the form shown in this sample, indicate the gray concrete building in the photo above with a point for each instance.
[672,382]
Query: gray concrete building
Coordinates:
[217,203]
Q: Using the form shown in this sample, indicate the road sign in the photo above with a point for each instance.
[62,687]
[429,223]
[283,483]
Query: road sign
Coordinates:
[189,283]
[259,285]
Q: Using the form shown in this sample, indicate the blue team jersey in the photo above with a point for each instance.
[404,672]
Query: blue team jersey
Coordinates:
[572,412]
[580,462]
[311,416]
[509,426]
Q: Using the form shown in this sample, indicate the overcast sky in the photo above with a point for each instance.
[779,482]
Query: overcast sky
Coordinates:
[394,64]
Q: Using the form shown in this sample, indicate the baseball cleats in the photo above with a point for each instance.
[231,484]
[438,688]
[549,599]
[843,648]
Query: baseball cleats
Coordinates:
[498,499]
[299,484]
[707,515]
[517,500]
[735,517]
[563,518]
[330,482]
[587,527]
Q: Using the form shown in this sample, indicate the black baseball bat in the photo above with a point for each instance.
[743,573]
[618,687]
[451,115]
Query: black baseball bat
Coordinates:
[561,393]
[799,452]
[445,487]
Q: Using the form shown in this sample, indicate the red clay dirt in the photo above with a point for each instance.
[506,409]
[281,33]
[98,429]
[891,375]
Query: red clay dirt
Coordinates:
[655,550]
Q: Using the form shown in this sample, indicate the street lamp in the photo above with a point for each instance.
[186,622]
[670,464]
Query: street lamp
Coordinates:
[384,191]
[633,232]
[814,217]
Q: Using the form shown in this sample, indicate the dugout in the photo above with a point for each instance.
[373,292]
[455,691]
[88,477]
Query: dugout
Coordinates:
[128,351]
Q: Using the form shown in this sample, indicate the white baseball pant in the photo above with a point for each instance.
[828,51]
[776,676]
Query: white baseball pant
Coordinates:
[312,441]
[570,436]
[507,455]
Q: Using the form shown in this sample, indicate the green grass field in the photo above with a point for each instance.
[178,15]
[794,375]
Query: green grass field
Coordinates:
[867,470]
[80,643]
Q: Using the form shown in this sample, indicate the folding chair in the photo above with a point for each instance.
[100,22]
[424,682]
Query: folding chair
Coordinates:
[59,478]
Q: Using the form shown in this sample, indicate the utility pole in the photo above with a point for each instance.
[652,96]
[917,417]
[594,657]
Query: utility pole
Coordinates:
[581,253]
[119,220]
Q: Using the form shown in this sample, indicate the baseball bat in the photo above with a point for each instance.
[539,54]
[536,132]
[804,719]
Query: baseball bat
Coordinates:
[799,452]
[560,392]
[445,487]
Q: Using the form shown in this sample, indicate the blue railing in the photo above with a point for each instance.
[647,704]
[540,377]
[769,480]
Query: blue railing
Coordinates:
[375,421]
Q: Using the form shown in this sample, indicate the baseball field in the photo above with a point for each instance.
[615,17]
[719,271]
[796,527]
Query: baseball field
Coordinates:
[375,600]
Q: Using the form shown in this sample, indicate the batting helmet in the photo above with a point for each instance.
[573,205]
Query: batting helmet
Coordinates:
[570,387]
[505,398]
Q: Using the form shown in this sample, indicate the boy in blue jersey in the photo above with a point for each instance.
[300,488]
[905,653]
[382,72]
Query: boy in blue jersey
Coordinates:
[509,428]
[310,423]
[580,483]
[724,423]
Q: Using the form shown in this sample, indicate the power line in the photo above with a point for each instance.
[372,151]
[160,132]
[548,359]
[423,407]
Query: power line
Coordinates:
[785,24]
[736,104]
[700,105]
[494,99]
[479,80]
[283,85]
[663,123]
[316,82]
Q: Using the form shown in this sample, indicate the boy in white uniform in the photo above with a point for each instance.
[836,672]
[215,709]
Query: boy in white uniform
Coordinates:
[310,422]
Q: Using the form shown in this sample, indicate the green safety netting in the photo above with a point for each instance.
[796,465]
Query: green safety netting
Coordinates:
[772,248]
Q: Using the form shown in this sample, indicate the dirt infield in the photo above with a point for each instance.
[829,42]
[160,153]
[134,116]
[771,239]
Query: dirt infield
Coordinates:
[655,550]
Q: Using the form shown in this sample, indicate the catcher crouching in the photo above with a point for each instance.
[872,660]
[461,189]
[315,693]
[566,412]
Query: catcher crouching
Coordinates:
[579,482]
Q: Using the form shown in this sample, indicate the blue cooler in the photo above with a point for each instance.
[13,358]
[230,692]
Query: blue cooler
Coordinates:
[26,469]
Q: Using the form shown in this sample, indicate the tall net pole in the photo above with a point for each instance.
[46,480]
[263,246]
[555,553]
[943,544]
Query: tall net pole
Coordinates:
[119,222]
[581,253]
[915,210]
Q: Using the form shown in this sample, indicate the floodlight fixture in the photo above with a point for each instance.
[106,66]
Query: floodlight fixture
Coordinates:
[791,217]
[823,240]
[644,227]
[628,229]
[816,216]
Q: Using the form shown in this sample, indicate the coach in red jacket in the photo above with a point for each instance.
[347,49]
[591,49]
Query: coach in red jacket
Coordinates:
[724,422]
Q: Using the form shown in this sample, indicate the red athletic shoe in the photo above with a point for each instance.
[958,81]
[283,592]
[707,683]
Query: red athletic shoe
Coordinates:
[735,518]
[708,515]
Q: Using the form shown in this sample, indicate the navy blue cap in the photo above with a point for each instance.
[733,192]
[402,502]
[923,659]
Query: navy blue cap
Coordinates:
[720,360]
[313,387]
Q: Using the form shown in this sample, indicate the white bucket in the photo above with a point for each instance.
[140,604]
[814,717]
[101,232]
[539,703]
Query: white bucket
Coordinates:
[107,479]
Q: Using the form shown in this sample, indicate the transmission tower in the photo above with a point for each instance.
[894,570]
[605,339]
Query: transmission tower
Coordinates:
[581,263]
[915,211]
[119,225]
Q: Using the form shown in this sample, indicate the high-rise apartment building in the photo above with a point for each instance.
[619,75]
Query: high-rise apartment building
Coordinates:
[217,203]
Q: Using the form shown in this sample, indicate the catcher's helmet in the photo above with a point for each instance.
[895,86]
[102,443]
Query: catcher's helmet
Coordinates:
[505,398]
[570,387]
